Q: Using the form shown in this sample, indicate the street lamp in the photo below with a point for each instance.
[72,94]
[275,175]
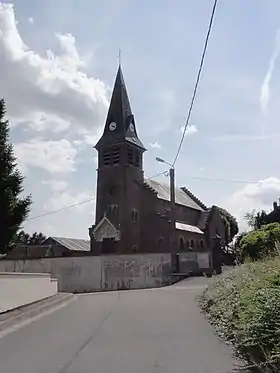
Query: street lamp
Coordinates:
[172,205]
[172,184]
[163,161]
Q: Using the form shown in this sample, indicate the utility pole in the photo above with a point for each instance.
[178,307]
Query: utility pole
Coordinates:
[173,220]
[173,245]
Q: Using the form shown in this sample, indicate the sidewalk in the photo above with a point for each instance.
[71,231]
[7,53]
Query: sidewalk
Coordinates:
[26,313]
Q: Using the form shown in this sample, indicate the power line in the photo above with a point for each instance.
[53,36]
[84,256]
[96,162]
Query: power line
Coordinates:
[197,81]
[159,174]
[61,209]
[77,204]
[224,180]
[152,177]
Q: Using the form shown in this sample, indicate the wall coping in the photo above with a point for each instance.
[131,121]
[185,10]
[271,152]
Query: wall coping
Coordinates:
[24,274]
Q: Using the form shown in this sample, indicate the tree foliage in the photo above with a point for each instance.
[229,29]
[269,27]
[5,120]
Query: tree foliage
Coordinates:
[260,243]
[256,219]
[14,207]
[231,225]
[27,239]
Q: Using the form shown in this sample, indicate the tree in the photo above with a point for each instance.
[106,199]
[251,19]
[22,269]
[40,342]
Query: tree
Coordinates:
[256,219]
[24,238]
[236,246]
[231,225]
[14,207]
[37,238]
[260,242]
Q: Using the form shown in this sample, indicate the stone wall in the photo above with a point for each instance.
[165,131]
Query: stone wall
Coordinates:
[99,273]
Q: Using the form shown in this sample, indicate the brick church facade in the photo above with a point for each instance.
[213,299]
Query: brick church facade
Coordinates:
[133,214]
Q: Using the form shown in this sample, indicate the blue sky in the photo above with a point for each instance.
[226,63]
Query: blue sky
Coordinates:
[59,64]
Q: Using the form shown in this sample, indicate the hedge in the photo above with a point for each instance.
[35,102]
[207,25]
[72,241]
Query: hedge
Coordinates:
[244,307]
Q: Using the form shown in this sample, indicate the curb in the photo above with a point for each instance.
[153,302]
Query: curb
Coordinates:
[26,314]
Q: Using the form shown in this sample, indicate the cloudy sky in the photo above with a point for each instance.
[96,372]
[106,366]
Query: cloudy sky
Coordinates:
[58,62]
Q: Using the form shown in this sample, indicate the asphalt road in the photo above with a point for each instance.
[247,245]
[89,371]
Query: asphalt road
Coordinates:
[147,331]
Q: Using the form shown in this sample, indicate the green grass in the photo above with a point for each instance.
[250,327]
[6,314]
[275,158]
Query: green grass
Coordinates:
[244,307]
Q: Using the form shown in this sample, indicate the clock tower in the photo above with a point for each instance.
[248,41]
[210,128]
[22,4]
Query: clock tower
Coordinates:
[119,176]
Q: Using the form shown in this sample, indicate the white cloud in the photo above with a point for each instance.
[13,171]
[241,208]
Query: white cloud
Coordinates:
[249,138]
[155,145]
[56,185]
[259,196]
[53,156]
[30,20]
[191,129]
[65,199]
[265,89]
[51,92]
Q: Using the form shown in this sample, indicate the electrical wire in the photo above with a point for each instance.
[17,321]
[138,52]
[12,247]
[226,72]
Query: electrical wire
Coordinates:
[159,174]
[197,81]
[61,209]
[78,203]
[224,180]
[152,177]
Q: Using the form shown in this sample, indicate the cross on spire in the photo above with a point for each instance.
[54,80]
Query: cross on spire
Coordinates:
[119,56]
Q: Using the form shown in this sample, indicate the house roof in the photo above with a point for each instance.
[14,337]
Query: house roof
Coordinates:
[187,227]
[181,197]
[73,244]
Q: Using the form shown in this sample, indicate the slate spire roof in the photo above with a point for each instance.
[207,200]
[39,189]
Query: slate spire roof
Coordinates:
[120,114]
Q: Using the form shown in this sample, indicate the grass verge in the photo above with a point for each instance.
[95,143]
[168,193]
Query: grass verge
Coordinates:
[244,307]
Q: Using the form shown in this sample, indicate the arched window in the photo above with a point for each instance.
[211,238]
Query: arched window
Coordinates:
[112,190]
[160,241]
[181,243]
[112,211]
[134,215]
[192,243]
[109,211]
[115,211]
[201,244]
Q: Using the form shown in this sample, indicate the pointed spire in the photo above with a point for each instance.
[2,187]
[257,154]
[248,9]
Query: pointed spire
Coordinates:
[120,123]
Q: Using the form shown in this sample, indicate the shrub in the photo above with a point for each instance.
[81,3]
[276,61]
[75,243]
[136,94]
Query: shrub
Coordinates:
[244,307]
[260,243]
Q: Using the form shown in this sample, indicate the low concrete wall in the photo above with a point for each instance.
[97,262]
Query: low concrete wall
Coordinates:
[18,289]
[193,262]
[99,273]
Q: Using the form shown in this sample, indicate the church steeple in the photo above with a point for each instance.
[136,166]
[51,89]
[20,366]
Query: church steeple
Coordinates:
[120,123]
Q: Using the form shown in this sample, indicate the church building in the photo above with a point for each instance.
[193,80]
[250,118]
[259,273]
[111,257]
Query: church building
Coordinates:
[133,214]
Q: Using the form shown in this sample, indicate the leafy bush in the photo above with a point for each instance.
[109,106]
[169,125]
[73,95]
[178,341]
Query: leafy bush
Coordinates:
[260,243]
[244,306]
[230,223]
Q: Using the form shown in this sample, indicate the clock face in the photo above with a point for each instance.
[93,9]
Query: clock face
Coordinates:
[112,126]
[131,127]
